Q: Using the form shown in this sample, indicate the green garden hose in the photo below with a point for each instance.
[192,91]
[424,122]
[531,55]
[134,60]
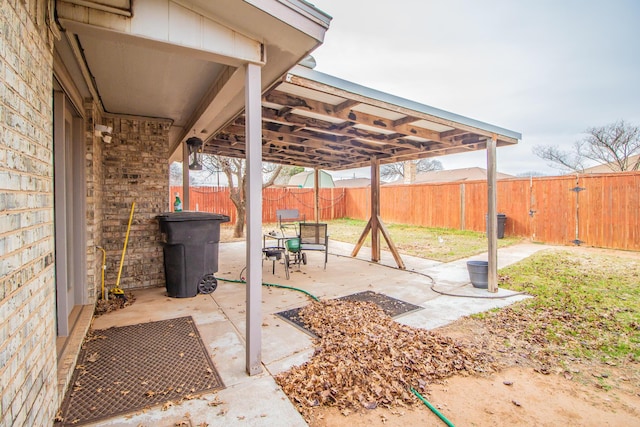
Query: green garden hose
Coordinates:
[433,408]
[315,298]
[273,285]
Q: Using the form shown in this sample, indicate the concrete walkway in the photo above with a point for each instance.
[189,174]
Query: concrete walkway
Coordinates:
[220,318]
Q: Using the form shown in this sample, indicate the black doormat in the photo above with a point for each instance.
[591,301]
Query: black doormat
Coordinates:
[126,369]
[391,306]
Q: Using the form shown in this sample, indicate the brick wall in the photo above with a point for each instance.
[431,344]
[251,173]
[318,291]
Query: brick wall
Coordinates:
[135,170]
[27,286]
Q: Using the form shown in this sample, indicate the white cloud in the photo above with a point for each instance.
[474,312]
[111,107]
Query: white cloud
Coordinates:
[544,68]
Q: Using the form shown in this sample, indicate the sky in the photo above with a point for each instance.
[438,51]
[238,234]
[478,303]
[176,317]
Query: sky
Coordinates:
[549,69]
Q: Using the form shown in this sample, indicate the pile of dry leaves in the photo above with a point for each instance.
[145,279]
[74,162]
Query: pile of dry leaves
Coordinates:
[113,303]
[364,359]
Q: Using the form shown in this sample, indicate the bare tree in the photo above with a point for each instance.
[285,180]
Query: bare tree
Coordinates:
[236,172]
[395,170]
[568,161]
[175,174]
[614,145]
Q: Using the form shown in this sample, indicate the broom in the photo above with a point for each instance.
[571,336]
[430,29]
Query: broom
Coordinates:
[117,291]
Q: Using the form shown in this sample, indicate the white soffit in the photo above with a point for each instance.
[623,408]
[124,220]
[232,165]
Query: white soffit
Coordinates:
[137,80]
[310,94]
[432,126]
[373,129]
[377,111]
[415,138]
[317,116]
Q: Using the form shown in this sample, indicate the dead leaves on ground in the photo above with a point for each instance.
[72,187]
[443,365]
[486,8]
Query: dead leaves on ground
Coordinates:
[113,303]
[364,359]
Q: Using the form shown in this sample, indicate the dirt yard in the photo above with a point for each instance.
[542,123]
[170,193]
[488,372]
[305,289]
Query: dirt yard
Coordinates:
[515,396]
[580,395]
[533,381]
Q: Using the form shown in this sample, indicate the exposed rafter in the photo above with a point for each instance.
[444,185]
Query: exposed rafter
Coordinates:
[310,123]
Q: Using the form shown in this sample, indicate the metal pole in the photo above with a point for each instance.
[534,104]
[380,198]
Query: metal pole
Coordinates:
[185,177]
[492,218]
[253,127]
[316,194]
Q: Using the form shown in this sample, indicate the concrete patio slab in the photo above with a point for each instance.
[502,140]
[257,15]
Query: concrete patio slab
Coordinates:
[221,319]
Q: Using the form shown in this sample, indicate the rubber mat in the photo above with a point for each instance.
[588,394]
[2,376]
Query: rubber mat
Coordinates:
[126,369]
[391,306]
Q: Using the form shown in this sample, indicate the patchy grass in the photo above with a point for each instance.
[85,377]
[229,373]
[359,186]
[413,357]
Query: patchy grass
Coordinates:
[440,244]
[586,306]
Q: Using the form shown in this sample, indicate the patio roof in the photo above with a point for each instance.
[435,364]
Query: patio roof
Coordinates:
[316,120]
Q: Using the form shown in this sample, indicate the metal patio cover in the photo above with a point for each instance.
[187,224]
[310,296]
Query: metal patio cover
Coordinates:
[315,120]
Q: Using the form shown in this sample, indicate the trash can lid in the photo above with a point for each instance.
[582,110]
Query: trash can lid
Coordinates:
[192,216]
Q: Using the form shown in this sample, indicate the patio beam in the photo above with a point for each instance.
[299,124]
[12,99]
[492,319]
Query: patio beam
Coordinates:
[492,218]
[254,219]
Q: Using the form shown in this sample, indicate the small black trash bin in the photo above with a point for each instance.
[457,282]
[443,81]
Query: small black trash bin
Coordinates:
[502,218]
[190,251]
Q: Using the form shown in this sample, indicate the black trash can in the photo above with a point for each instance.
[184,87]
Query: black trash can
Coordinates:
[502,218]
[190,241]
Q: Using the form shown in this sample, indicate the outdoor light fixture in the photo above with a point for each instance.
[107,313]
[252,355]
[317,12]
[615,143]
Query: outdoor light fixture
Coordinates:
[103,131]
[195,153]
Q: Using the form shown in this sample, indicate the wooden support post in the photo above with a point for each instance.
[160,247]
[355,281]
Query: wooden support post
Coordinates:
[375,209]
[362,238]
[253,126]
[392,246]
[375,224]
[492,218]
[316,194]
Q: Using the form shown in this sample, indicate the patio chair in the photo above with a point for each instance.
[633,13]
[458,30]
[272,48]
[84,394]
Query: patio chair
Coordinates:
[288,220]
[314,237]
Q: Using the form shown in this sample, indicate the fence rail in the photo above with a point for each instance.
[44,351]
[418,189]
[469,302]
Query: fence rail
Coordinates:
[596,210]
[216,199]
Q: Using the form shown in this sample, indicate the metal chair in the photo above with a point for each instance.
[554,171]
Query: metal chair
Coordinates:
[288,220]
[314,237]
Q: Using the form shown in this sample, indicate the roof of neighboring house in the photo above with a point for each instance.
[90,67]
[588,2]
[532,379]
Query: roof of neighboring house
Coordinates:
[611,167]
[453,175]
[352,182]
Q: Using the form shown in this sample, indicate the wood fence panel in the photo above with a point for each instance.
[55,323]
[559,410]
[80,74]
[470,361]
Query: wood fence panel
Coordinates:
[606,214]
[475,201]
[395,202]
[212,199]
[609,211]
[514,200]
[423,204]
[553,204]
[358,203]
[216,199]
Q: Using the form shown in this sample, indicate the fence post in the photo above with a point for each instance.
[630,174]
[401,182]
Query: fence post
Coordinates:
[462,207]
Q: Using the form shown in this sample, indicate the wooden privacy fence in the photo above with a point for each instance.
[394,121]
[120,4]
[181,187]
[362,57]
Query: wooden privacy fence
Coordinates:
[596,210]
[216,199]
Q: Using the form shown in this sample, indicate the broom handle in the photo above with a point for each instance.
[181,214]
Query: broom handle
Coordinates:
[124,249]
